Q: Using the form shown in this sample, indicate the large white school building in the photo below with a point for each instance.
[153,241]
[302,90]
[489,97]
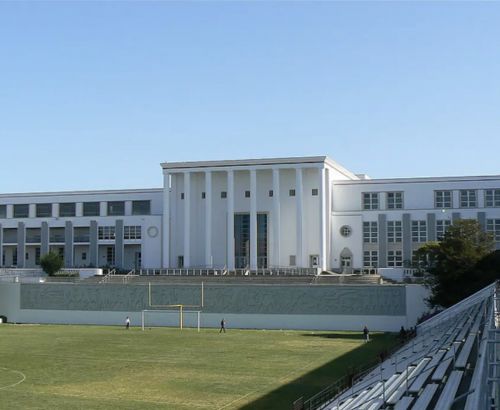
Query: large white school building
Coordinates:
[306,212]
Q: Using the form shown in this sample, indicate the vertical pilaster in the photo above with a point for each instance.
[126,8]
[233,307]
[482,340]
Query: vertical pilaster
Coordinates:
[322,219]
[208,219]
[431,227]
[481,218]
[230,220]
[21,245]
[44,239]
[407,245]
[382,240]
[299,211]
[68,244]
[276,222]
[166,220]
[187,219]
[119,246]
[253,219]
[1,245]
[93,245]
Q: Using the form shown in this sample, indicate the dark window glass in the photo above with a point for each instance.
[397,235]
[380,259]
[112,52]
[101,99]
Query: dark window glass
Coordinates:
[314,192]
[247,194]
[141,207]
[223,194]
[182,195]
[43,210]
[291,192]
[271,193]
[67,209]
[3,211]
[91,209]
[203,195]
[116,208]
[21,211]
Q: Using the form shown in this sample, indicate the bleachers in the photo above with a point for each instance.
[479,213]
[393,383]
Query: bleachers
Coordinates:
[442,367]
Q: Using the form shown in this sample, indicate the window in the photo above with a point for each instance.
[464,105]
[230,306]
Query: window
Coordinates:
[417,261]
[394,232]
[394,200]
[110,255]
[37,256]
[271,193]
[468,198]
[141,207]
[493,228]
[443,199]
[418,231]
[370,259]
[106,232]
[43,210]
[314,192]
[132,232]
[223,194]
[91,209]
[84,256]
[203,195]
[291,192]
[3,211]
[247,194]
[345,231]
[491,198]
[21,211]
[182,195]
[442,226]
[370,200]
[370,232]
[116,208]
[67,209]
[293,260]
[394,258]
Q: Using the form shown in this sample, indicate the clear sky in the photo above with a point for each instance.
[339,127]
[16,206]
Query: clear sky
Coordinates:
[94,95]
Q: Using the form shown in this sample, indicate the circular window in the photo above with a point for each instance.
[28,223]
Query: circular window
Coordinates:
[345,230]
[152,231]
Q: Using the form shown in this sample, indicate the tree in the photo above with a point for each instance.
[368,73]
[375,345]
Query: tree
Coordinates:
[51,263]
[454,265]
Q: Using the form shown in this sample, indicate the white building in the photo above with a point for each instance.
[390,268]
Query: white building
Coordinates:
[265,213]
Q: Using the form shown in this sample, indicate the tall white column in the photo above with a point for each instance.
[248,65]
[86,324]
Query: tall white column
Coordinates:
[276,222]
[230,220]
[299,212]
[253,219]
[187,219]
[166,219]
[322,219]
[208,219]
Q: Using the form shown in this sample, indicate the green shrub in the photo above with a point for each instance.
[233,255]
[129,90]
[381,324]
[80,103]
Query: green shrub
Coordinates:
[51,263]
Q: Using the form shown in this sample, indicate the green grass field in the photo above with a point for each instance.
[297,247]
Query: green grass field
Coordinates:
[100,367]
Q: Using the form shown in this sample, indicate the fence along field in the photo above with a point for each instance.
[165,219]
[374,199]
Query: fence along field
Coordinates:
[103,367]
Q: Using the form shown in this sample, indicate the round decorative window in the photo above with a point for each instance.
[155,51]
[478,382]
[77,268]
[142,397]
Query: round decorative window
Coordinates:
[152,231]
[345,230]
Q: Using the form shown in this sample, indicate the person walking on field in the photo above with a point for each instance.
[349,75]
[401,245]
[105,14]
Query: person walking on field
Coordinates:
[222,326]
[366,333]
[127,322]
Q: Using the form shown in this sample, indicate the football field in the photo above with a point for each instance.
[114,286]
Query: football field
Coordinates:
[102,367]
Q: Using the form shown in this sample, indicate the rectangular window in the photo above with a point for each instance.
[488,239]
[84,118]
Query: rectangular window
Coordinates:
[293,260]
[291,192]
[106,232]
[394,232]
[443,199]
[84,256]
[203,195]
[21,211]
[370,200]
[223,194]
[468,198]
[43,210]
[141,207]
[132,232]
[271,193]
[116,208]
[91,209]
[67,209]
[394,258]
[110,255]
[417,261]
[3,211]
[247,194]
[37,256]
[419,231]
[370,259]
[492,198]
[493,228]
[370,232]
[394,200]
[315,192]
[182,195]
[442,226]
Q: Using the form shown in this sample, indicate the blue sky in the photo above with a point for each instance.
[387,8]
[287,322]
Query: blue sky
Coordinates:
[94,95]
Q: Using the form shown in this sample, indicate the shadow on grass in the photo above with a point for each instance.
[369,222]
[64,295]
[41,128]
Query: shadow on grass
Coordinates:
[352,336]
[308,384]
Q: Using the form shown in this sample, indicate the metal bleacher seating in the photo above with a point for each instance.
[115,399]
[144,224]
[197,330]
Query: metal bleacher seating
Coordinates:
[445,366]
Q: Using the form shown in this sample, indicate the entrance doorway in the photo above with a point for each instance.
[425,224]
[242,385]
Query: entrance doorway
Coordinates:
[242,241]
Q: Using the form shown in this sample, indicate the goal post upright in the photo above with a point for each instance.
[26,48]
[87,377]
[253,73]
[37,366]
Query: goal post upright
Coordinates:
[198,315]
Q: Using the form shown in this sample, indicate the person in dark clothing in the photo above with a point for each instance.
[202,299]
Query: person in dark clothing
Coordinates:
[127,323]
[366,333]
[222,326]
[402,334]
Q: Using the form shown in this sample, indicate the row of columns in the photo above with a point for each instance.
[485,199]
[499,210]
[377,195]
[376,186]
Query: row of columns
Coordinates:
[276,218]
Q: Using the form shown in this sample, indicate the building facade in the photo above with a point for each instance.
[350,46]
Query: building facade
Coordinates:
[306,212]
